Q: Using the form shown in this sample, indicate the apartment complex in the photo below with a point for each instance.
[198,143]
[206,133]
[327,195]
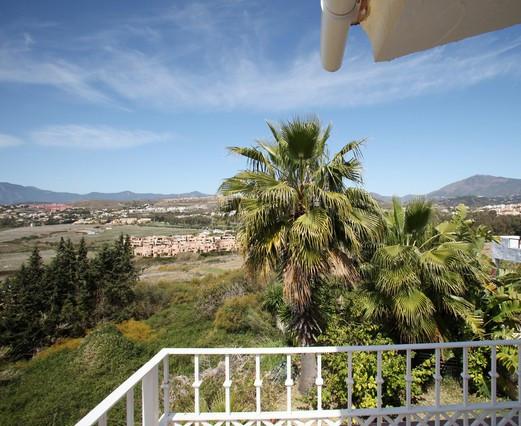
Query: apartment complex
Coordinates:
[168,246]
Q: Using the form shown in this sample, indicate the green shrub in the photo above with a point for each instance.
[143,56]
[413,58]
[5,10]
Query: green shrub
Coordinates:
[215,291]
[335,368]
[99,350]
[150,298]
[136,331]
[60,345]
[240,314]
[478,371]
[273,299]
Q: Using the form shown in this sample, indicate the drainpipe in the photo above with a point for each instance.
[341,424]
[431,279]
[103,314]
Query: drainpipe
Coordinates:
[337,16]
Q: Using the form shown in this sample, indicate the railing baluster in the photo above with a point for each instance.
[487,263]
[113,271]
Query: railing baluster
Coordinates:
[493,381]
[258,386]
[319,381]
[165,386]
[227,384]
[130,407]
[408,384]
[258,383]
[150,397]
[196,385]
[519,381]
[103,420]
[288,383]
[465,376]
[379,383]
[350,382]
[437,382]
[519,373]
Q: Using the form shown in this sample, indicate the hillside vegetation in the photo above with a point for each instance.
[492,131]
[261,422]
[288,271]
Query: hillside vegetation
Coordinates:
[63,382]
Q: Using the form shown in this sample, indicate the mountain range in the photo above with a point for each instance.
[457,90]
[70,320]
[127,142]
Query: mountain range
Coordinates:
[480,186]
[474,186]
[14,194]
[477,186]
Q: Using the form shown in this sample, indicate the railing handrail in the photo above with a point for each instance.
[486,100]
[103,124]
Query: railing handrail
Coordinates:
[338,349]
[97,413]
[104,406]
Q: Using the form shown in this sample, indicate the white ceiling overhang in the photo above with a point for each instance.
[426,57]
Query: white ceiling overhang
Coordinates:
[399,27]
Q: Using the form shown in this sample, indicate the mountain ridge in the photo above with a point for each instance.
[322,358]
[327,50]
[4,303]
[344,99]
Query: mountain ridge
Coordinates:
[11,193]
[479,185]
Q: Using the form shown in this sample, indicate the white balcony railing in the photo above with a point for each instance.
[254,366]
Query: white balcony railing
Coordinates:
[494,412]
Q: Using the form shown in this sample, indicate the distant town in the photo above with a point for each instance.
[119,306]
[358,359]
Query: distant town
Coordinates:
[503,209]
[200,212]
[191,212]
[159,228]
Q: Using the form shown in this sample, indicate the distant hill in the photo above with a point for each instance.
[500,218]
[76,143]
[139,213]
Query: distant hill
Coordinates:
[479,186]
[476,190]
[493,187]
[13,194]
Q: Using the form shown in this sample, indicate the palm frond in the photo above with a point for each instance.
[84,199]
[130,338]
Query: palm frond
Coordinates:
[397,219]
[354,148]
[255,157]
[412,305]
[302,137]
[463,309]
[312,229]
[418,215]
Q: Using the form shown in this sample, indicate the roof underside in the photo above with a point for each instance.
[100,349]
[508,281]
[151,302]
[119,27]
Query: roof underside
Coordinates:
[399,27]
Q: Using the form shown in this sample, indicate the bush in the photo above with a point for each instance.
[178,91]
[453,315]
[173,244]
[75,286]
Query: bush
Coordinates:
[60,345]
[240,314]
[217,290]
[150,298]
[136,331]
[478,371]
[335,368]
[273,298]
[101,348]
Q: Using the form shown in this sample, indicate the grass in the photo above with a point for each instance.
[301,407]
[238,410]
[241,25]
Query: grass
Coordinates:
[187,266]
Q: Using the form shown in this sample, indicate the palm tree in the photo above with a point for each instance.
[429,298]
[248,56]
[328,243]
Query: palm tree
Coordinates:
[297,216]
[417,279]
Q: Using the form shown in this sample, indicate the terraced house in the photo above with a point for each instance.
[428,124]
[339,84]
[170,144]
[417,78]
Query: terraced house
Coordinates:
[163,246]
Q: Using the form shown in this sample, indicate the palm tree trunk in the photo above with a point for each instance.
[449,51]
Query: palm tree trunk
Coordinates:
[308,372]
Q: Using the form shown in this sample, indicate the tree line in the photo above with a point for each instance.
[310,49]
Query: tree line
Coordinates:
[499,224]
[42,303]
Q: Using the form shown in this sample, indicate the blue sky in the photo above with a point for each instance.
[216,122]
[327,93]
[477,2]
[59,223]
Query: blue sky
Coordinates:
[145,96]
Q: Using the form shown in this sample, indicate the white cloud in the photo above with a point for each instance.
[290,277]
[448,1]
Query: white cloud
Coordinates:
[17,66]
[216,56]
[95,137]
[245,83]
[8,140]
[28,40]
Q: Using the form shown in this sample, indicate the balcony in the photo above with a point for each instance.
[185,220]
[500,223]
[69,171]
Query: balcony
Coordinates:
[156,408]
